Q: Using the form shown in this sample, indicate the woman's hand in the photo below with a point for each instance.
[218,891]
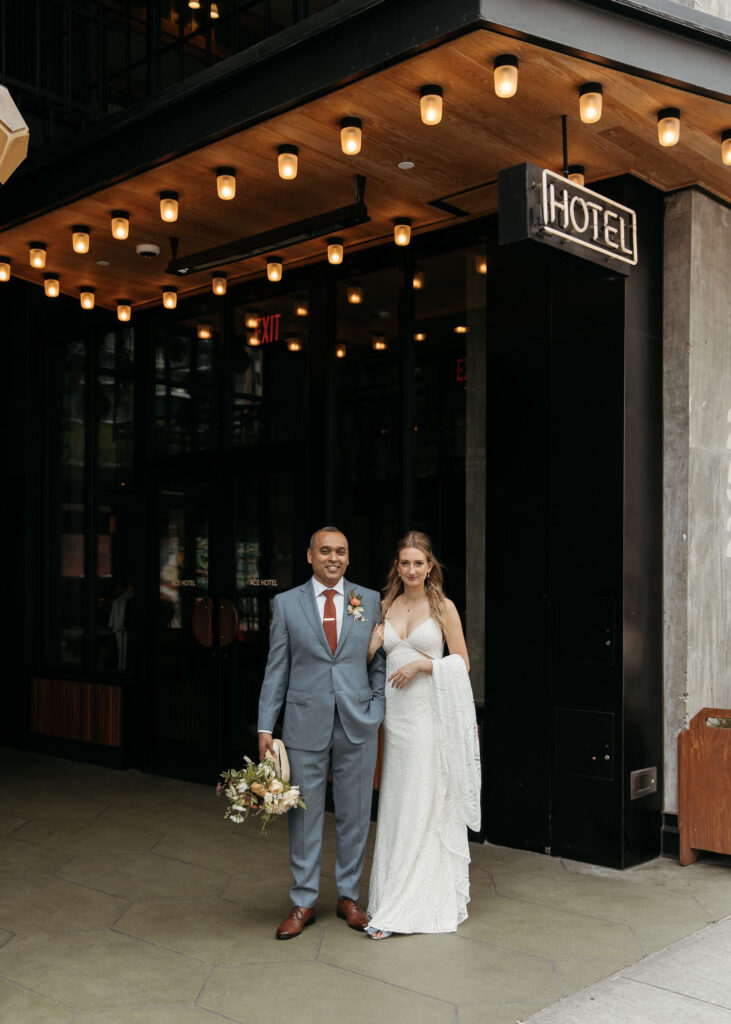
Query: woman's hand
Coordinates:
[405,674]
[376,640]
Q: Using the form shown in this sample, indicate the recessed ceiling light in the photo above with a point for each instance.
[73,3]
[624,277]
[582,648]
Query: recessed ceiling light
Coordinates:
[103,263]
[406,165]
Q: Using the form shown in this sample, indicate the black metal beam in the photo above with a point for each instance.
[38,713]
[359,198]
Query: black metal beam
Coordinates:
[328,223]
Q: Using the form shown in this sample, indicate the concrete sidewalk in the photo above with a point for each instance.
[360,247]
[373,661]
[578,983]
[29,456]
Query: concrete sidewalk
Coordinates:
[689,982]
[126,899]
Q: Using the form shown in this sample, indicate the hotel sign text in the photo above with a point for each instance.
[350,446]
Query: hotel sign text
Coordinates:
[546,207]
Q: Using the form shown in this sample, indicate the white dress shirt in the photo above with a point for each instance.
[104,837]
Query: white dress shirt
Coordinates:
[339,600]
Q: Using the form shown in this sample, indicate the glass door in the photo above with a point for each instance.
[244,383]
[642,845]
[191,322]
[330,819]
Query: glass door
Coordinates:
[225,539]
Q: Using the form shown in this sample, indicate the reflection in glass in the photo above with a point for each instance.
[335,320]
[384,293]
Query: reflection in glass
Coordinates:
[269,371]
[186,382]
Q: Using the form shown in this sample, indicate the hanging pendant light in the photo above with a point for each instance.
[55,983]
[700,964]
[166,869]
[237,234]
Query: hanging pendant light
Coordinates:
[219,283]
[169,206]
[590,102]
[726,147]
[169,297]
[506,75]
[80,239]
[576,174]
[120,224]
[287,162]
[668,126]
[351,135]
[124,310]
[5,268]
[335,251]
[274,268]
[86,297]
[402,231]
[355,294]
[37,255]
[226,182]
[51,286]
[431,103]
[204,332]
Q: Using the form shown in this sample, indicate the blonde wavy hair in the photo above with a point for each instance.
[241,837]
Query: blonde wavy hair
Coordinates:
[434,581]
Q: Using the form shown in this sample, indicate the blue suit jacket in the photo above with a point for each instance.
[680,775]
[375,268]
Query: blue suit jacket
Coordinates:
[303,673]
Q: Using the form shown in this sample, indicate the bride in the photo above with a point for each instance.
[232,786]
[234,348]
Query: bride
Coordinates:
[430,781]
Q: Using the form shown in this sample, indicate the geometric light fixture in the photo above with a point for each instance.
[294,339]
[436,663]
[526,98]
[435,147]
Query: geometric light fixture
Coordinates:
[51,286]
[590,102]
[355,294]
[351,135]
[169,206]
[287,162]
[86,297]
[219,283]
[120,224]
[668,126]
[402,231]
[124,310]
[226,182]
[576,174]
[430,102]
[506,75]
[726,147]
[37,255]
[274,268]
[335,251]
[204,332]
[80,239]
[5,265]
[169,297]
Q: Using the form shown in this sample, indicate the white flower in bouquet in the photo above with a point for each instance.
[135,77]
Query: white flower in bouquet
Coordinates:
[256,789]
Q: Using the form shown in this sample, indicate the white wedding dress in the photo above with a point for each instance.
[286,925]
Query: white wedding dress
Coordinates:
[420,875]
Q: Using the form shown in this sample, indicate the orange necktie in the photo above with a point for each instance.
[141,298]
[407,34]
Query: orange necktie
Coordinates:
[329,621]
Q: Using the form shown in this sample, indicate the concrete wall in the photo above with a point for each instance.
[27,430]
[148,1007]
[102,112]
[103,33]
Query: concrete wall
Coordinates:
[718,8]
[697,465]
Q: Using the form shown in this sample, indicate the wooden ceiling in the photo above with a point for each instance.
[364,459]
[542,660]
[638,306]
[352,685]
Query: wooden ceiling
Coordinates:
[456,161]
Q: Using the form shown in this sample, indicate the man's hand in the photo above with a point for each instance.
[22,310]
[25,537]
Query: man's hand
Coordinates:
[265,744]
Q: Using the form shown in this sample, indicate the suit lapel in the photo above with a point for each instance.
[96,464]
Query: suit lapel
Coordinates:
[312,612]
[347,619]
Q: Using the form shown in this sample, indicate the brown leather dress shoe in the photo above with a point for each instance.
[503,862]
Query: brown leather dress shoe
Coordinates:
[352,912]
[299,918]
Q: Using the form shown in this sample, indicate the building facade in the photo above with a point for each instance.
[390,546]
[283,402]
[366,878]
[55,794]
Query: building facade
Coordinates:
[547,398]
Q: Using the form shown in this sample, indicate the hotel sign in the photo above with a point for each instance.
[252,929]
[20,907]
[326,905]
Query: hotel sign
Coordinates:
[545,207]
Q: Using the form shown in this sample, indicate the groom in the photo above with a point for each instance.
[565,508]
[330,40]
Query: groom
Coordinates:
[318,668]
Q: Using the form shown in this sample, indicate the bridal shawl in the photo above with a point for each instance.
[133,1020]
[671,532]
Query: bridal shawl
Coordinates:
[458,741]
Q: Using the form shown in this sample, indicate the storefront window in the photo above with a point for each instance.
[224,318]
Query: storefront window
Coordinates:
[448,429]
[269,370]
[187,416]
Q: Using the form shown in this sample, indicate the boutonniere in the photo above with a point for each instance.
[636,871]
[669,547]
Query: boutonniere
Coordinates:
[354,606]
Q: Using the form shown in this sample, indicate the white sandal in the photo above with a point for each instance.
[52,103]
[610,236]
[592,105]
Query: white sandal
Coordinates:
[378,933]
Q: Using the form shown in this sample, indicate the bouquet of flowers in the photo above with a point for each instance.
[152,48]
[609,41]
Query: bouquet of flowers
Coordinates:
[257,789]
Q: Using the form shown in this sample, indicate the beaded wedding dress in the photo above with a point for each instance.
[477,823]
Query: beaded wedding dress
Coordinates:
[420,875]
